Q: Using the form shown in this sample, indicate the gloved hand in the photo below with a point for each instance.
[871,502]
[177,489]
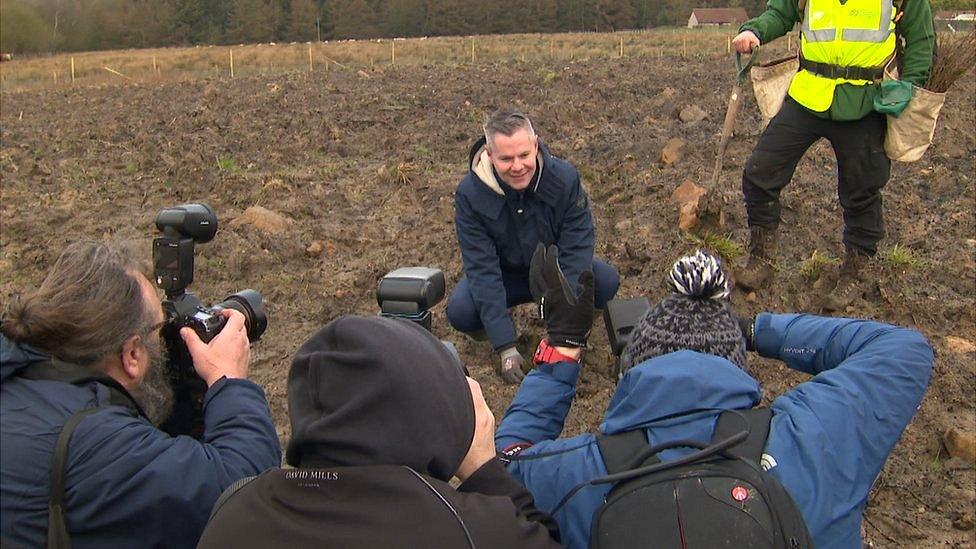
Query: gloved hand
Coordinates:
[894,97]
[568,315]
[748,327]
[511,366]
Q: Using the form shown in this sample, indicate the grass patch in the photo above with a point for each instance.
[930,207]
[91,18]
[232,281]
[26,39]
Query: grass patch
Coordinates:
[475,116]
[227,165]
[723,245]
[901,257]
[131,168]
[404,173]
[813,266]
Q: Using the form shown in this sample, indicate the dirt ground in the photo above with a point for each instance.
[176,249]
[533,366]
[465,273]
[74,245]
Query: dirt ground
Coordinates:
[366,165]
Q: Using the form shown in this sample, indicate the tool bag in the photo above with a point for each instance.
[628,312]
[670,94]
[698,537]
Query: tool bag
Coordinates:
[910,133]
[770,82]
[718,496]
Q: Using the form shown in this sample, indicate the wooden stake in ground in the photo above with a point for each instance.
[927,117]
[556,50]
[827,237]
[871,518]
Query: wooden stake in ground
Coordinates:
[684,47]
[310,59]
[72,70]
[155,69]
[115,72]
[472,49]
[789,43]
[728,44]
[392,52]
[550,48]
[232,63]
[621,46]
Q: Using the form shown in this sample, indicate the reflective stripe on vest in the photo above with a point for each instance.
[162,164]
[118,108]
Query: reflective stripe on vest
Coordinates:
[857,33]
[845,17]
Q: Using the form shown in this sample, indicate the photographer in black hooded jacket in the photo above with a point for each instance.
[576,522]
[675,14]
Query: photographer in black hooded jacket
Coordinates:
[382,417]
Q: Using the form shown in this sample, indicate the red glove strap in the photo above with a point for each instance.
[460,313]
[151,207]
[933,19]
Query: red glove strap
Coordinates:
[547,354]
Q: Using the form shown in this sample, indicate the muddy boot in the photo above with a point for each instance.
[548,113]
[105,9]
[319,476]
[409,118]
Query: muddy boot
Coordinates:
[762,250]
[848,281]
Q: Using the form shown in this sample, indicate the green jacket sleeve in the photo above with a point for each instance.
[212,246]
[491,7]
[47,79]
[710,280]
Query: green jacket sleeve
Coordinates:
[778,19]
[917,29]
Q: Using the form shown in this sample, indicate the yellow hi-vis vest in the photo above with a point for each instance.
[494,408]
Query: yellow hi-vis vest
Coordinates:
[858,33]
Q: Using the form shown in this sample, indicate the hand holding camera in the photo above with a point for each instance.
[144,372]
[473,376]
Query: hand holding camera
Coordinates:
[568,314]
[203,343]
[226,355]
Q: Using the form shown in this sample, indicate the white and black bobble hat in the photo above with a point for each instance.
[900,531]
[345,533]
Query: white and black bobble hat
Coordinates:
[696,316]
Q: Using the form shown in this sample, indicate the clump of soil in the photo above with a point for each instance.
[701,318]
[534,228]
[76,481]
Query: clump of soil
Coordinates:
[366,169]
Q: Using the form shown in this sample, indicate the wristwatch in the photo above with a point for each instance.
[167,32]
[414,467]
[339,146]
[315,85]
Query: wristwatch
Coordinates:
[547,354]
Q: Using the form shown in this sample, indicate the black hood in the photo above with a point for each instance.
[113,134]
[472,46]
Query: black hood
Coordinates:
[17,356]
[378,391]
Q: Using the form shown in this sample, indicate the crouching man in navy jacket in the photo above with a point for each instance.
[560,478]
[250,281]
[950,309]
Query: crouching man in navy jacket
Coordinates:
[516,196]
[828,438]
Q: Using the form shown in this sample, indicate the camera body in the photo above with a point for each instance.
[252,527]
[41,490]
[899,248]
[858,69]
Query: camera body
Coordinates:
[181,228]
[410,292]
[620,316]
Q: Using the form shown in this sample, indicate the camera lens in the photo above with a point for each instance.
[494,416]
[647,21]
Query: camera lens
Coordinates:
[251,305]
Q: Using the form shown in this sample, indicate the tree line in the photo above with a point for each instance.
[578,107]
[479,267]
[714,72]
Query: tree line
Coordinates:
[80,25]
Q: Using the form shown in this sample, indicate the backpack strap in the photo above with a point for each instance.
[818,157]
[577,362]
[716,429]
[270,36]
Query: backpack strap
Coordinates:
[757,421]
[56,370]
[57,527]
[229,492]
[444,500]
[620,449]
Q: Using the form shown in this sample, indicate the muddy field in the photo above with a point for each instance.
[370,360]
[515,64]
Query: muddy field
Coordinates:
[365,165]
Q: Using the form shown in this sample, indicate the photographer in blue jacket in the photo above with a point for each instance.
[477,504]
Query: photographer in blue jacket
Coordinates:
[83,386]
[828,438]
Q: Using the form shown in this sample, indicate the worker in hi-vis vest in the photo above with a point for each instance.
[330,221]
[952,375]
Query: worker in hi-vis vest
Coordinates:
[836,94]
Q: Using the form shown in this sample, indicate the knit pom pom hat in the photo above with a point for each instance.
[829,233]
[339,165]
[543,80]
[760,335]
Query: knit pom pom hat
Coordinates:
[696,316]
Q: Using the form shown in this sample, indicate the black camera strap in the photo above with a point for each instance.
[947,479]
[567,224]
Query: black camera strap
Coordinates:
[55,370]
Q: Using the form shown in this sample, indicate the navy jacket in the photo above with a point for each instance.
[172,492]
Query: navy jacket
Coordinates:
[499,228]
[127,484]
[828,439]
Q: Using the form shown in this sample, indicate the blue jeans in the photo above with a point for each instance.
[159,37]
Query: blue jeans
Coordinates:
[463,314]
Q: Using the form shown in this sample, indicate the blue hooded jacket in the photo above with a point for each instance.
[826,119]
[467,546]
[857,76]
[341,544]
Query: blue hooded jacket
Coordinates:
[127,484]
[829,437]
[499,228]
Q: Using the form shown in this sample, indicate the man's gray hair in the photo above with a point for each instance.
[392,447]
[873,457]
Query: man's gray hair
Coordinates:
[90,303]
[507,122]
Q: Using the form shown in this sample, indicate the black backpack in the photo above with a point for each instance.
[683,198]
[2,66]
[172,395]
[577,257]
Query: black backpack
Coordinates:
[718,496]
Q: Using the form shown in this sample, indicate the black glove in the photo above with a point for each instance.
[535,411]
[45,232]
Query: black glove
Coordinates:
[568,315]
[748,327]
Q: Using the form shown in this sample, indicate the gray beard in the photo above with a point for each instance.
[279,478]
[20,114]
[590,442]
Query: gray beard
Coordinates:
[155,395]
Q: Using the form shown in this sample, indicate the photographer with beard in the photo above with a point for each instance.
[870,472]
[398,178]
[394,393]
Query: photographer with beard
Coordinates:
[83,385]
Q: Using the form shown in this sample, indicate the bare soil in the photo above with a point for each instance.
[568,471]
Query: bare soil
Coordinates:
[366,164]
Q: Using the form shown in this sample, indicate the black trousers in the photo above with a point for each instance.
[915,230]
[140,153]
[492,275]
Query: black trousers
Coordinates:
[862,166]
